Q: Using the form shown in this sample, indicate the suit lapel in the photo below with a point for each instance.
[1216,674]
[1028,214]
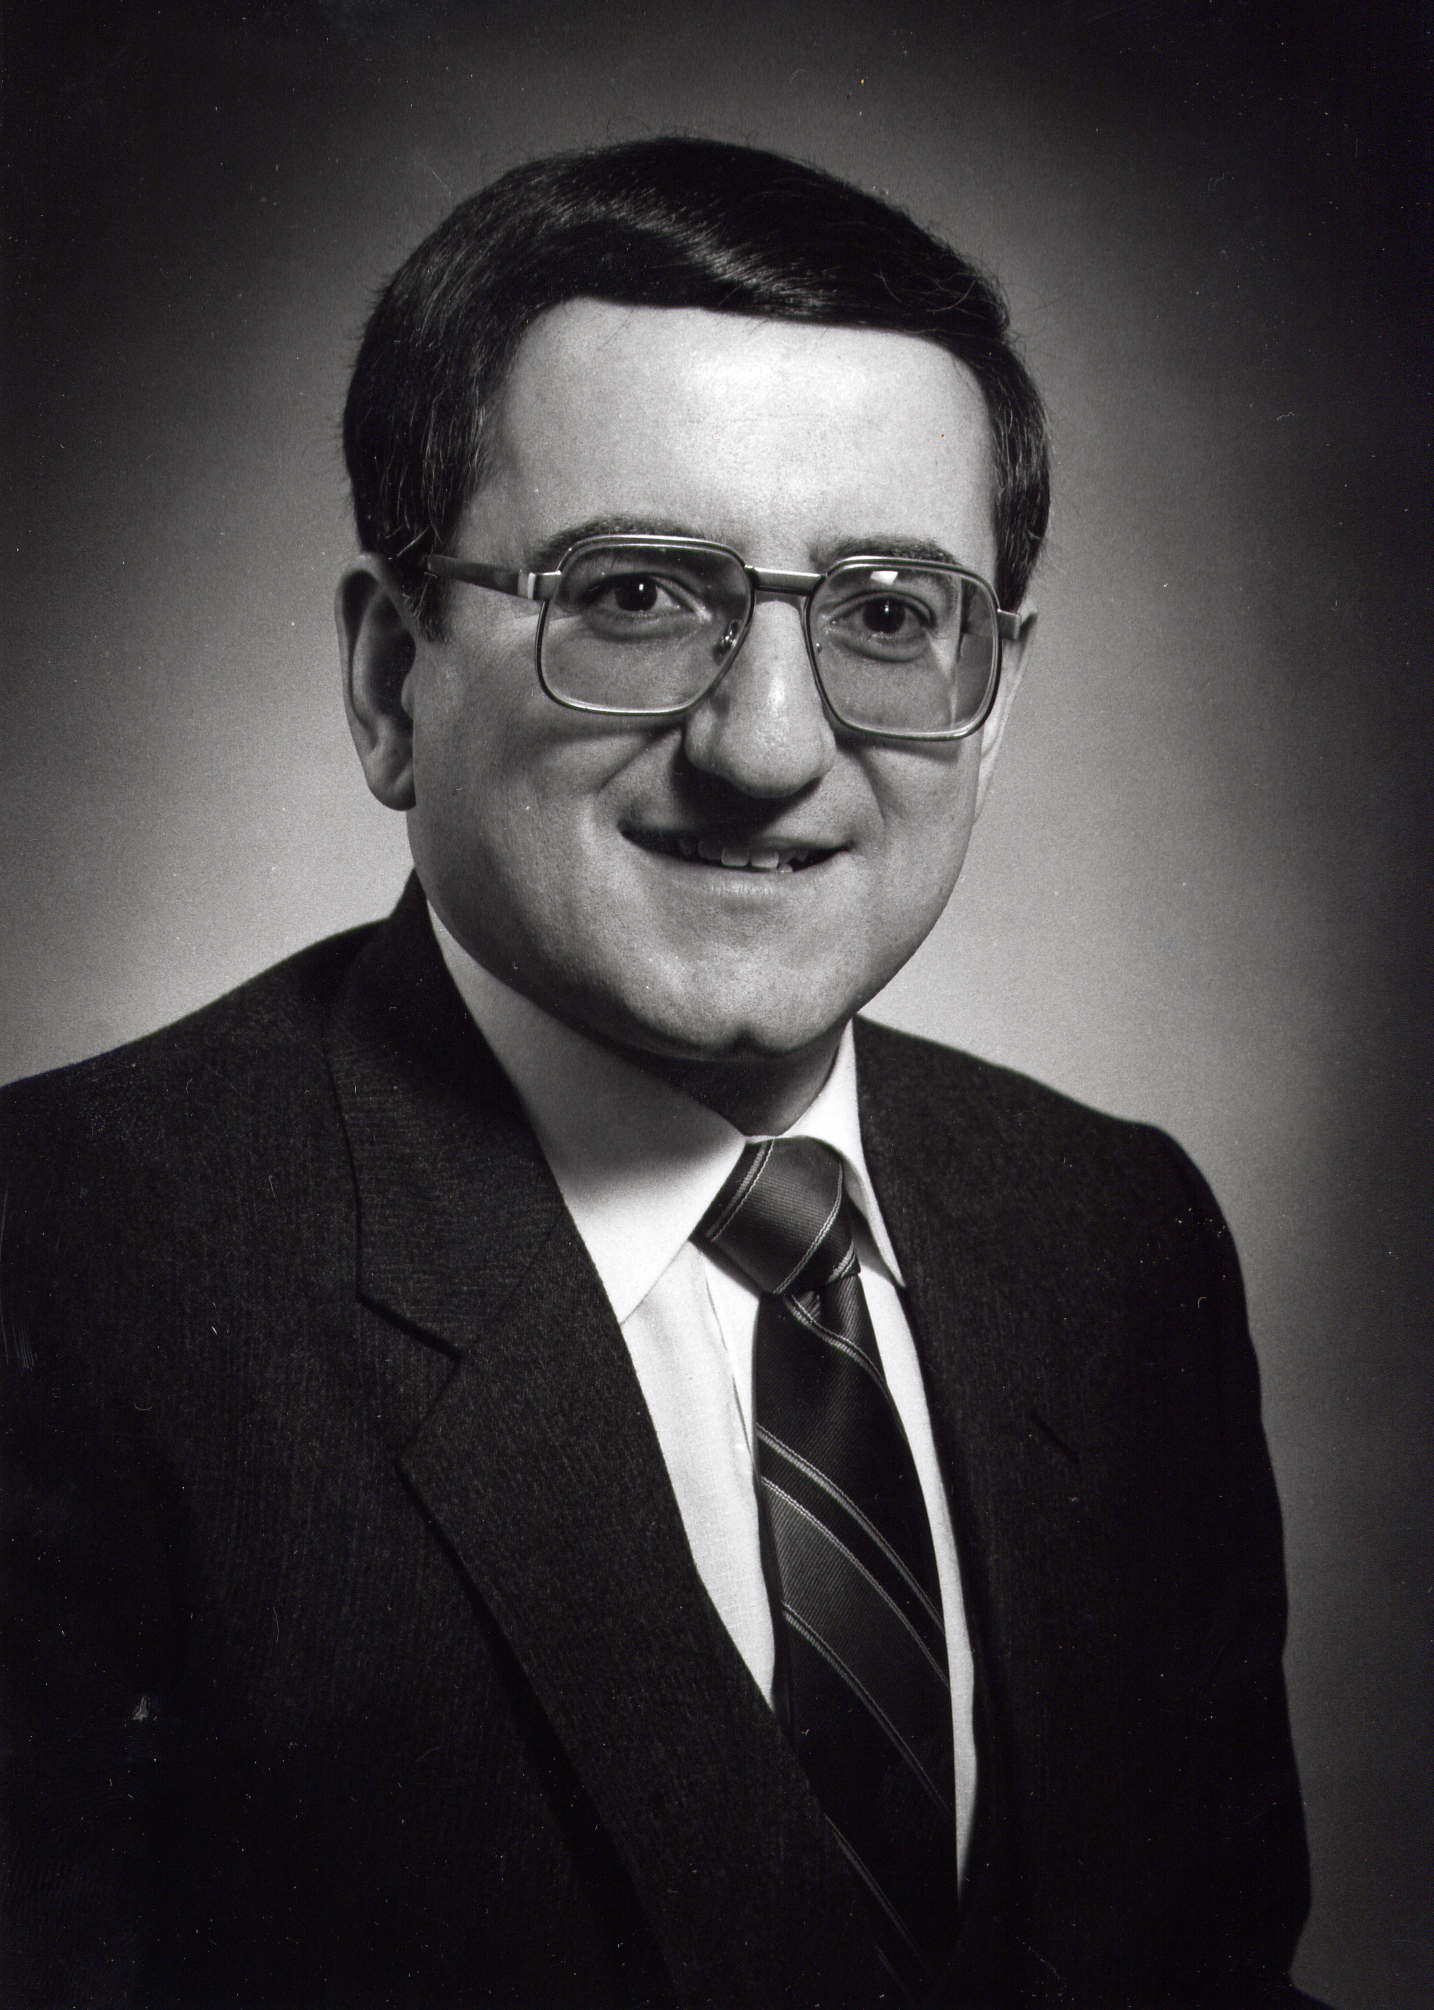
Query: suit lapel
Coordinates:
[1012,1395]
[540,1464]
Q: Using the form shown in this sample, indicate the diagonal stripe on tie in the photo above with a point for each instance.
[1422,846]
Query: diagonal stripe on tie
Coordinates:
[862,1684]
[838,1512]
[813,1553]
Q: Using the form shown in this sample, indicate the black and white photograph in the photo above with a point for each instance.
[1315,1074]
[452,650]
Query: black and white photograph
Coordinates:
[715,1161]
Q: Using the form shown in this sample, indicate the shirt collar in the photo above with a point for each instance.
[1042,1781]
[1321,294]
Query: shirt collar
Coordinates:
[638,1162]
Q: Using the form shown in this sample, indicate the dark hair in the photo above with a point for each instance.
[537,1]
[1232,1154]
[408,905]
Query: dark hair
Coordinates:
[655,223]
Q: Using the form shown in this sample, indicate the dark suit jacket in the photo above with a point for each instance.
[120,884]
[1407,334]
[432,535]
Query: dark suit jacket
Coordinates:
[358,1658]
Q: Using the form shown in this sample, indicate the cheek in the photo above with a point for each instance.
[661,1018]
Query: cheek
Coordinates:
[927,802]
[473,744]
[925,848]
[510,792]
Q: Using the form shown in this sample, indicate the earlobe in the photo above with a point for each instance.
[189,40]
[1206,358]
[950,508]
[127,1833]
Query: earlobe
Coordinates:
[376,653]
[1014,656]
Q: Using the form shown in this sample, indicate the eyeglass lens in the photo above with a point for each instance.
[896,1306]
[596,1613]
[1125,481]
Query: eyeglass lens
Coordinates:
[900,648]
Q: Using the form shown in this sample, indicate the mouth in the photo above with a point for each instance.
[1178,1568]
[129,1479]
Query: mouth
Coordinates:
[730,853]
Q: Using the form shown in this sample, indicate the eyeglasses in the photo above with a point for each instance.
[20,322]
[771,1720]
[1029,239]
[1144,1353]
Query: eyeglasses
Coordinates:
[901,649]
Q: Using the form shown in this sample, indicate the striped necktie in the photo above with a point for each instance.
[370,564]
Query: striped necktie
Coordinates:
[861,1677]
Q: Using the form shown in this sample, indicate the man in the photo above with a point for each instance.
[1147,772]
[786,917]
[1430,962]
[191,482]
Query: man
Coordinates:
[489,1528]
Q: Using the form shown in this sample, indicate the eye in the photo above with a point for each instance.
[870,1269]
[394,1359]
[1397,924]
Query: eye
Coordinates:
[637,600]
[631,593]
[890,626]
[890,618]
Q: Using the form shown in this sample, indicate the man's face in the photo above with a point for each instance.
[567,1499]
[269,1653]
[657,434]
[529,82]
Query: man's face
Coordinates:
[557,846]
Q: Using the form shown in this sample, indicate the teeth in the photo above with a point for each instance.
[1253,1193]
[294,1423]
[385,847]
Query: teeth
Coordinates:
[738,857]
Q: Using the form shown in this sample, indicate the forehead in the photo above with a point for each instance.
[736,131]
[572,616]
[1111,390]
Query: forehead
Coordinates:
[775,436]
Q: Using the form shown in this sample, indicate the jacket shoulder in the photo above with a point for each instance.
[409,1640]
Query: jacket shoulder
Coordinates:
[1039,1156]
[921,1081]
[219,1065]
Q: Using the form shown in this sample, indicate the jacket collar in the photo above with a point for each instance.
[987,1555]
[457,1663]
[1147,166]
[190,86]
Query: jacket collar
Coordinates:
[638,1161]
[1021,1406]
[540,1465]
[962,1195]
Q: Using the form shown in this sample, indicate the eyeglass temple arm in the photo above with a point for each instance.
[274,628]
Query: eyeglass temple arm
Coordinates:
[543,585]
[522,585]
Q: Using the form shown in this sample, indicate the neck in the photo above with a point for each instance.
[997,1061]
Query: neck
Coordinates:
[758,1098]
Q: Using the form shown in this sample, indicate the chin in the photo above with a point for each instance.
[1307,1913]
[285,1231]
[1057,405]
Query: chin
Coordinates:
[731,1035]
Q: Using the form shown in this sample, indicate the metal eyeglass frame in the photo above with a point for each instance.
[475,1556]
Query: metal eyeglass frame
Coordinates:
[764,583]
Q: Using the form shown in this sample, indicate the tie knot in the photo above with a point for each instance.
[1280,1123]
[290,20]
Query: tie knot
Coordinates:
[782,1217]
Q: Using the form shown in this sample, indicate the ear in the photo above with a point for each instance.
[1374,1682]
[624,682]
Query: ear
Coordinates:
[1013,661]
[377,646]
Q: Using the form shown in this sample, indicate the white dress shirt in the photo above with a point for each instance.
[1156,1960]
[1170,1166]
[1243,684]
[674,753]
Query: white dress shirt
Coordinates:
[638,1164]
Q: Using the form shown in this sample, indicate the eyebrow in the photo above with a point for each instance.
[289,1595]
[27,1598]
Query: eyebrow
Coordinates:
[547,554]
[916,550]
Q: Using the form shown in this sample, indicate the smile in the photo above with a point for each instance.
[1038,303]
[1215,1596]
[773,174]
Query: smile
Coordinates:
[732,854]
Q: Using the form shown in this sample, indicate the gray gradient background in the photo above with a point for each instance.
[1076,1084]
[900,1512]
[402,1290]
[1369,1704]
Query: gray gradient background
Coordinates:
[1197,895]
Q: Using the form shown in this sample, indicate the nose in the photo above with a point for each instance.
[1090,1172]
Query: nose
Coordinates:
[764,729]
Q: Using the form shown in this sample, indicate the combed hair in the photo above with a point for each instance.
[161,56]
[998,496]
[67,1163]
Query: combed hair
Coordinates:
[655,223]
